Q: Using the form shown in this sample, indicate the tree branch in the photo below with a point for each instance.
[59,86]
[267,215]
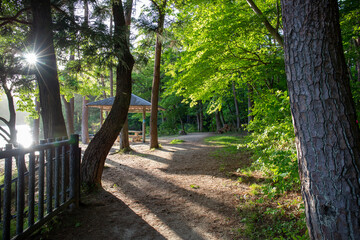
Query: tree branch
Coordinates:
[6,139]
[270,28]
[7,20]
[4,121]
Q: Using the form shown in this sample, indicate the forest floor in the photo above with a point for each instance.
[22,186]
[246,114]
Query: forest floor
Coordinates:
[180,191]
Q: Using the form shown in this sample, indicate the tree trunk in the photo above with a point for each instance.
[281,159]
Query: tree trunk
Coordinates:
[69,113]
[36,124]
[85,121]
[327,136]
[156,80]
[201,117]
[124,137]
[222,119]
[10,136]
[218,121]
[236,107]
[95,155]
[111,67]
[250,102]
[46,74]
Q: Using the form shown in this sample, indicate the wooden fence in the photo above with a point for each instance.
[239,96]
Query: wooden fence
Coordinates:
[39,182]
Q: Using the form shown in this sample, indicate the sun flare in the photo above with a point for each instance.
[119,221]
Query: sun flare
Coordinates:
[31,58]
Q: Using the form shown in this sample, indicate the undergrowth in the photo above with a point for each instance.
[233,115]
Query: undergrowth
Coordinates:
[272,208]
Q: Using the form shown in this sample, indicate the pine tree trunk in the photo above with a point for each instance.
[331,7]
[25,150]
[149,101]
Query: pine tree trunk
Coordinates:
[95,155]
[324,117]
[46,74]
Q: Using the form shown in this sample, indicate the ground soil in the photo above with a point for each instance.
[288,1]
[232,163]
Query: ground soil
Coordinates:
[181,191]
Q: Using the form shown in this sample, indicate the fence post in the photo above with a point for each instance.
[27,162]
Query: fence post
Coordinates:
[31,189]
[41,182]
[20,195]
[49,177]
[74,169]
[7,195]
[57,173]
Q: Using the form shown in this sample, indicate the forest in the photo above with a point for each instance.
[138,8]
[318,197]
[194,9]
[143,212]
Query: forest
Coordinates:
[281,77]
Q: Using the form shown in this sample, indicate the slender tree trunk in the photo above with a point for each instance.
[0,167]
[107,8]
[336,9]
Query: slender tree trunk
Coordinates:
[357,45]
[95,155]
[324,117]
[69,113]
[46,74]
[85,121]
[10,136]
[236,107]
[124,137]
[250,103]
[201,117]
[111,67]
[155,96]
[36,124]
[156,80]
[222,119]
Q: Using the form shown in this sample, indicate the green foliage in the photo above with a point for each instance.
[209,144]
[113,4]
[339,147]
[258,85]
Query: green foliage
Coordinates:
[265,220]
[271,140]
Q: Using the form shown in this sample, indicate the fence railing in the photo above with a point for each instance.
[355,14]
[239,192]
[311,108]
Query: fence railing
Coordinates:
[39,182]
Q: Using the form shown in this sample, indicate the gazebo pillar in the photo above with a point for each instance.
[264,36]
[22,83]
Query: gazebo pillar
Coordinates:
[144,124]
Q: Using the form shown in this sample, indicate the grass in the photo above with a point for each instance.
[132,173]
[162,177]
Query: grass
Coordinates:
[176,141]
[263,215]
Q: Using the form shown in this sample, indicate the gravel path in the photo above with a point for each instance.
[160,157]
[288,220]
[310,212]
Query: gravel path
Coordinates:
[176,192]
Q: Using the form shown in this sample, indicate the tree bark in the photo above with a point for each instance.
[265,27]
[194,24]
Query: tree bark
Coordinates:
[95,155]
[327,136]
[156,80]
[46,74]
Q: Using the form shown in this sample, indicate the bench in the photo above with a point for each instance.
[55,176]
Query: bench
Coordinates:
[136,136]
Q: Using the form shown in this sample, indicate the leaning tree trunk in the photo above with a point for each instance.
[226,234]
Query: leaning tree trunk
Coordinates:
[46,74]
[95,155]
[327,136]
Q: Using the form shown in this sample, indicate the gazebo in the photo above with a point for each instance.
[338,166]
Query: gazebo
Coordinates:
[137,105]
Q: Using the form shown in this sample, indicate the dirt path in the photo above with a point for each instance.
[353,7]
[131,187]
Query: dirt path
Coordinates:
[176,192]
